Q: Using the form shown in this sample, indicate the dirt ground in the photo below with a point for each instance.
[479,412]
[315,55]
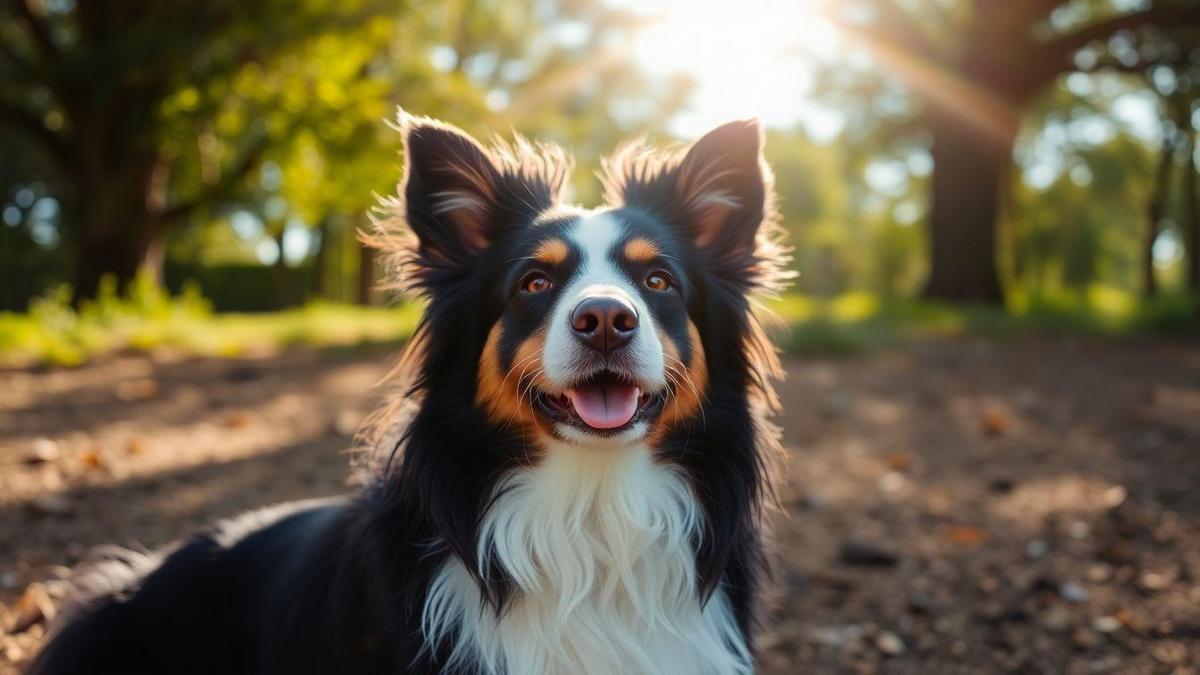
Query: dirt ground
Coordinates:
[956,506]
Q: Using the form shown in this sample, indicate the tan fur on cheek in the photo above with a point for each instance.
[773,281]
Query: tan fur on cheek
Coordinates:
[504,395]
[690,382]
[640,250]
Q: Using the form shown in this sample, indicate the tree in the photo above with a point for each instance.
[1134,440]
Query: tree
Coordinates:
[974,87]
[103,88]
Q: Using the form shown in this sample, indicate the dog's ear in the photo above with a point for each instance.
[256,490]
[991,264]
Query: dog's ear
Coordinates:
[451,191]
[717,192]
[720,185]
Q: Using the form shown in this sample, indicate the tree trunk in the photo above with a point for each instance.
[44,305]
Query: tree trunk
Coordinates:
[1191,213]
[966,183]
[1154,213]
[366,273]
[115,231]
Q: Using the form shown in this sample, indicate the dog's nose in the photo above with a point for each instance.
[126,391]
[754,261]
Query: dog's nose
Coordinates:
[604,323]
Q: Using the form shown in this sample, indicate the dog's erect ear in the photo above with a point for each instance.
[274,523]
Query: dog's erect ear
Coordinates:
[451,190]
[720,186]
[717,192]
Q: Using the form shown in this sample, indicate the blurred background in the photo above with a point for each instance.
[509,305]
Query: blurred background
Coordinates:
[994,378]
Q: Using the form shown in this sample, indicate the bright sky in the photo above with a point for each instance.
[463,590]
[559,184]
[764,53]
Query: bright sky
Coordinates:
[749,58]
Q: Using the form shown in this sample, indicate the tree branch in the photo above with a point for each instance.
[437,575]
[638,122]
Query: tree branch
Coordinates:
[1062,49]
[27,123]
[221,188]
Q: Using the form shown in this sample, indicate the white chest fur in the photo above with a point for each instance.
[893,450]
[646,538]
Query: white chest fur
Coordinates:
[599,546]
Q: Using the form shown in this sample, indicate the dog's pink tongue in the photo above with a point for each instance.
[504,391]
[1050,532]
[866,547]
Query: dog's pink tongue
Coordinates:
[605,406]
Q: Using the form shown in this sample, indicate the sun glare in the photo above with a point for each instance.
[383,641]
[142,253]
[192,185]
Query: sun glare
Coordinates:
[747,57]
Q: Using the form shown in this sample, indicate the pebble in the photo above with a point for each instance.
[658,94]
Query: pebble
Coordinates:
[1057,619]
[43,451]
[1153,581]
[855,552]
[1106,624]
[51,505]
[889,643]
[836,636]
[1085,638]
[1073,592]
[9,580]
[1036,549]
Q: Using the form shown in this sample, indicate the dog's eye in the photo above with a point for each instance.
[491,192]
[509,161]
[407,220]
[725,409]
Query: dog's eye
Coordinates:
[658,281]
[536,282]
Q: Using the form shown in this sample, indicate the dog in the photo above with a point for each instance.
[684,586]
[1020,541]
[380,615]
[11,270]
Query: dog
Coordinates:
[575,467]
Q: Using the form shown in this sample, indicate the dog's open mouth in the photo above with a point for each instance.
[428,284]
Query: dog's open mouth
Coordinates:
[604,403]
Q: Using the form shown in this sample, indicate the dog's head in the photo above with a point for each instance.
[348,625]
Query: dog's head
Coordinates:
[587,326]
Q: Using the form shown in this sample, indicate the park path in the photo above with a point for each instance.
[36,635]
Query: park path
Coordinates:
[1031,505]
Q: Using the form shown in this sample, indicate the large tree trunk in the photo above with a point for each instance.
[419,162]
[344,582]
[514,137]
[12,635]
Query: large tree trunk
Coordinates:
[113,201]
[967,173]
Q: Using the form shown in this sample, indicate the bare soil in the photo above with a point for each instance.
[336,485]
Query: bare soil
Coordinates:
[1026,506]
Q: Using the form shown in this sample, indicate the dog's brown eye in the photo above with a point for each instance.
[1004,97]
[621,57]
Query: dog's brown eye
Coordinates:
[658,281]
[536,282]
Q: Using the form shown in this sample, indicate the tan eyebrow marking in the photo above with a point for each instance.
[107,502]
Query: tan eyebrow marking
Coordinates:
[551,252]
[640,249]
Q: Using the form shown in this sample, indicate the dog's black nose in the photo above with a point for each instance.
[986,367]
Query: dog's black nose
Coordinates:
[604,323]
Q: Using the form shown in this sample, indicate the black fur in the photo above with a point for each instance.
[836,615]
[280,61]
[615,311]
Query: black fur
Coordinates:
[338,587]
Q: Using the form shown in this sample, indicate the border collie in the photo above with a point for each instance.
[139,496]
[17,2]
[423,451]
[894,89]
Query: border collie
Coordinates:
[572,473]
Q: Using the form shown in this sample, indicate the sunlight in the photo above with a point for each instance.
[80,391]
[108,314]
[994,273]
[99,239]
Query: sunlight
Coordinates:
[748,59]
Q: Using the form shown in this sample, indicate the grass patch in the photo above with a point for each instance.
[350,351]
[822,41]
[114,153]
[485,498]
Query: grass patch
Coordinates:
[857,322]
[53,332]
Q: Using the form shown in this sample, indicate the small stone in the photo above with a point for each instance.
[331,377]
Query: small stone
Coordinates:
[1106,624]
[1057,619]
[835,636]
[919,603]
[9,580]
[1085,638]
[1115,496]
[1073,592]
[861,553]
[1036,549]
[51,505]
[43,451]
[1079,530]
[1153,581]
[1001,486]
[890,644]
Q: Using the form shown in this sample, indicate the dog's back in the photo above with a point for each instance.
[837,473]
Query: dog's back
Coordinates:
[268,592]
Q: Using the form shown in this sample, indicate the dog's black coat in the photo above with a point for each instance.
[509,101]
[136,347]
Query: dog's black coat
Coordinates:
[338,586]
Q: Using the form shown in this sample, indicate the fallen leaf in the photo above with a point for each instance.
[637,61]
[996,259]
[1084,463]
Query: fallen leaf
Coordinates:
[967,535]
[899,461]
[139,445]
[995,421]
[91,458]
[33,607]
[239,419]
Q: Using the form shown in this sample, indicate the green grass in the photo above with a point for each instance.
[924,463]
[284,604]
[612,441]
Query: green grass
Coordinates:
[52,332]
[855,322]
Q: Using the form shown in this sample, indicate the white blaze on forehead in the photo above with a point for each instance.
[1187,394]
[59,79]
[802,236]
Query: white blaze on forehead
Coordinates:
[596,235]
